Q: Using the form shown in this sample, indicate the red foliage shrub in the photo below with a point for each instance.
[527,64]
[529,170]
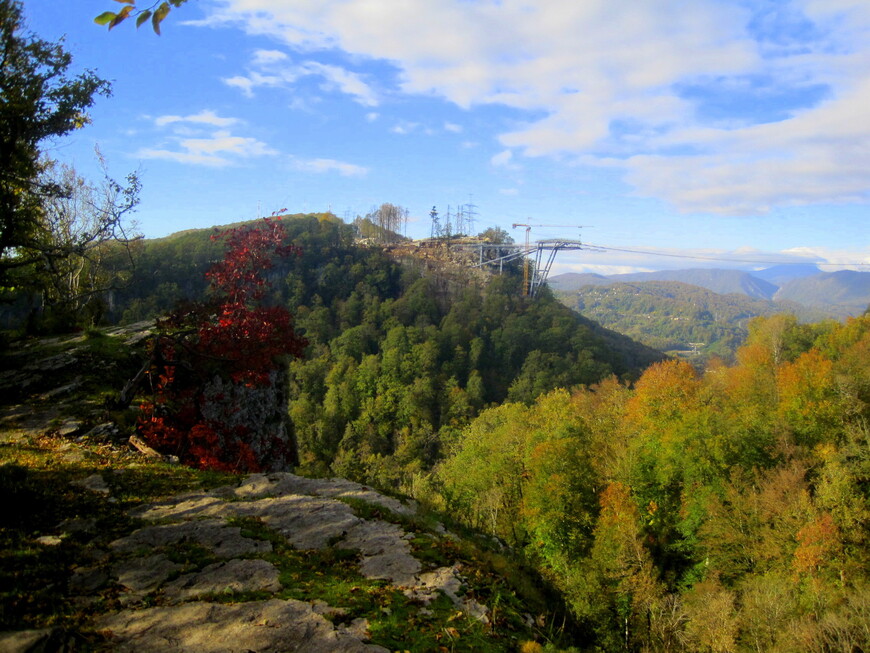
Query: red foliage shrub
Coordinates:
[210,356]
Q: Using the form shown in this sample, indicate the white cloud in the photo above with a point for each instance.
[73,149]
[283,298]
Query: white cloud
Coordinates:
[307,105]
[225,142]
[273,68]
[321,166]
[510,192]
[219,149]
[199,140]
[405,127]
[204,117]
[244,84]
[344,81]
[266,57]
[835,259]
[605,270]
[452,128]
[248,83]
[503,159]
[194,158]
[817,156]
[603,84]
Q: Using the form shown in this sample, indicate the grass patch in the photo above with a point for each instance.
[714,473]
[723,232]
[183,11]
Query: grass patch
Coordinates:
[34,573]
[410,626]
[34,578]
[153,480]
[191,555]
[434,551]
[430,548]
[368,510]
[329,574]
[497,576]
[395,621]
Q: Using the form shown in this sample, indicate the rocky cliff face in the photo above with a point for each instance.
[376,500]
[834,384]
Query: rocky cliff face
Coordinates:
[258,414]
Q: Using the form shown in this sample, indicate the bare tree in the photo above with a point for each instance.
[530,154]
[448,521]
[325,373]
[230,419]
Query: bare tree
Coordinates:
[88,239]
[390,220]
[39,100]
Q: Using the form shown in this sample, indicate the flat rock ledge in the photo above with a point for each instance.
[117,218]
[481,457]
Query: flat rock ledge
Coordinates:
[262,626]
[234,576]
[310,514]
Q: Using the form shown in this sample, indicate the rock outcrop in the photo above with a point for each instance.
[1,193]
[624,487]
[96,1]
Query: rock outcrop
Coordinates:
[309,514]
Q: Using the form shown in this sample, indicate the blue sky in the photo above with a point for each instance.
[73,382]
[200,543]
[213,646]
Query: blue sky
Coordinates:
[726,129]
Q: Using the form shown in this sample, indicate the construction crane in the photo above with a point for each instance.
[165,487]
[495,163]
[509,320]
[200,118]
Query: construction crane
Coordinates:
[528,247]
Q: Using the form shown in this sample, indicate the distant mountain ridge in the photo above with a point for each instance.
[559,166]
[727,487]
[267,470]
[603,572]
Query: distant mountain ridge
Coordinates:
[570,281]
[846,292]
[719,281]
[780,274]
[672,316]
[836,294]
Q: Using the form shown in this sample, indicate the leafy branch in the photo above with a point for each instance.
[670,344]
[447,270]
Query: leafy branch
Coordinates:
[155,12]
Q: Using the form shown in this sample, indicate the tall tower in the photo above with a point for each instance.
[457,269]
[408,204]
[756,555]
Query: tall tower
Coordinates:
[460,220]
[436,225]
[470,214]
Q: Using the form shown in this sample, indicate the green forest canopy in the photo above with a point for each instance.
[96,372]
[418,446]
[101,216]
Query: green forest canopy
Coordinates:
[399,358]
[671,315]
[725,510]
[717,511]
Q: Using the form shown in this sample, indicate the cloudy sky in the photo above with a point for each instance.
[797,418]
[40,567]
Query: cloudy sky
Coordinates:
[734,130]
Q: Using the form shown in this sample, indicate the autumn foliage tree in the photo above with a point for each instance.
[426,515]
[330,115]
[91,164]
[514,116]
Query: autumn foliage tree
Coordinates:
[218,366]
[718,510]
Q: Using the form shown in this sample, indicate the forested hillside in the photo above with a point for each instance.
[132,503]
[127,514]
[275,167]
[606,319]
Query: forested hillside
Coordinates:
[719,281]
[721,511]
[402,350]
[800,289]
[674,510]
[846,292]
[670,315]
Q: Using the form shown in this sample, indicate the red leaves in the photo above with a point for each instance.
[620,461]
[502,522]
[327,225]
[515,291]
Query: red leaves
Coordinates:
[249,253]
[230,336]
